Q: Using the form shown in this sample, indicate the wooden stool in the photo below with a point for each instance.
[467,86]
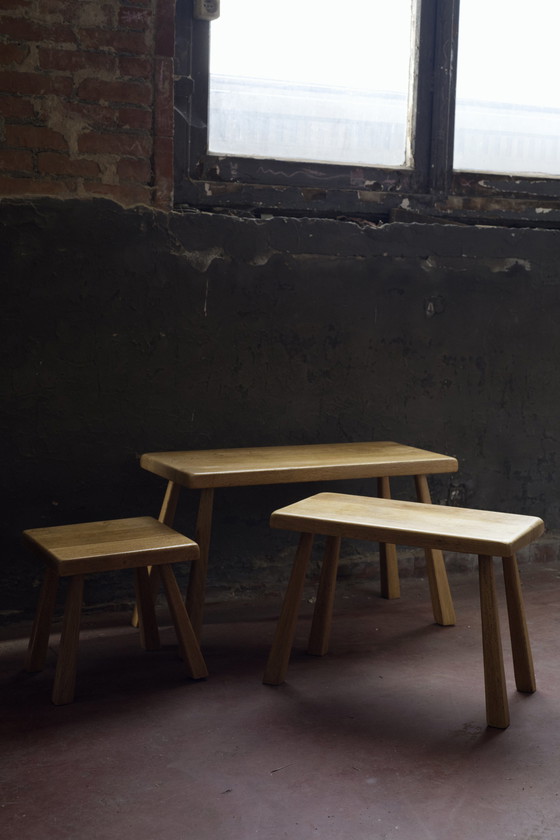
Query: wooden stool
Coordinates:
[76,550]
[409,523]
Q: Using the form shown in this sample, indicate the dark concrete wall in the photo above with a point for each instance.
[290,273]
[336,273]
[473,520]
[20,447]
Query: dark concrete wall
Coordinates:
[127,331]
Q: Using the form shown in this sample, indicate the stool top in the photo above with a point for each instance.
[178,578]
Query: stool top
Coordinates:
[110,544]
[410,523]
[202,468]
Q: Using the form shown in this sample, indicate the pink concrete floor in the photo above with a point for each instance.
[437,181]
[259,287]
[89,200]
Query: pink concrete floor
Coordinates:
[384,737]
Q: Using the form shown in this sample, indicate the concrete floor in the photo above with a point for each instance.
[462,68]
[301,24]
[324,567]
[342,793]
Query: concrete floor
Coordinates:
[384,737]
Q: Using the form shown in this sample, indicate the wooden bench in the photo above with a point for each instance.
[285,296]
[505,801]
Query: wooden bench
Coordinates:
[74,551]
[206,470]
[484,533]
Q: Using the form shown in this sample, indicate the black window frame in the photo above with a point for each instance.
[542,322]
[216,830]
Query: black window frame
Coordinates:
[430,190]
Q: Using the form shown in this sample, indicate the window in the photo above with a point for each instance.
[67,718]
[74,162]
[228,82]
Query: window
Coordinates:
[507,115]
[310,108]
[382,109]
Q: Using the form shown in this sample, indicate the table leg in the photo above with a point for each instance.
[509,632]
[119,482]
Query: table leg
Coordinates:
[199,568]
[442,603]
[497,711]
[388,564]
[166,515]
[322,614]
[39,639]
[520,645]
[277,664]
[169,504]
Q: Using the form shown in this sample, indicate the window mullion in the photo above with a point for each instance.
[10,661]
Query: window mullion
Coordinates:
[444,77]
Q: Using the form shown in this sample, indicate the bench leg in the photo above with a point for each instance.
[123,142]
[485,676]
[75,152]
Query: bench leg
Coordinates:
[277,664]
[39,639]
[199,568]
[65,676]
[188,643]
[520,645]
[145,607]
[322,614]
[497,710]
[442,603]
[388,564]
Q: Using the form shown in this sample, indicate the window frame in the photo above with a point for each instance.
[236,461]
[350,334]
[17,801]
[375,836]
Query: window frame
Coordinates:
[429,190]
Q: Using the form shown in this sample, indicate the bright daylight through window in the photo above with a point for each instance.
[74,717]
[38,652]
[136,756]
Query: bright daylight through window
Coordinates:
[312,80]
[507,116]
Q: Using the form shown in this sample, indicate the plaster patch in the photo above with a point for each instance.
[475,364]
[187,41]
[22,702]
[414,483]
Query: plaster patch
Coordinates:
[429,263]
[497,266]
[262,259]
[202,260]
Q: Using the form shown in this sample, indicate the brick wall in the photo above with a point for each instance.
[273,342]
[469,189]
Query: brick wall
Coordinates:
[86,99]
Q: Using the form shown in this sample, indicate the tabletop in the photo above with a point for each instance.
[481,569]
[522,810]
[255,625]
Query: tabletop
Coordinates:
[206,468]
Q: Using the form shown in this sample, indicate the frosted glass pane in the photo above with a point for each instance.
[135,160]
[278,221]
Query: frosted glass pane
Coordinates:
[311,80]
[508,97]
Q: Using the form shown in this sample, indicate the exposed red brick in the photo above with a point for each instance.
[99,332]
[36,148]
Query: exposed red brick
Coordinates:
[98,90]
[81,12]
[100,116]
[22,29]
[134,43]
[51,163]
[138,20]
[165,28]
[138,68]
[34,137]
[135,118]
[134,170]
[16,160]
[16,107]
[163,106]
[163,172]
[126,194]
[13,53]
[135,145]
[14,4]
[35,83]
[33,186]
[163,158]
[92,14]
[72,60]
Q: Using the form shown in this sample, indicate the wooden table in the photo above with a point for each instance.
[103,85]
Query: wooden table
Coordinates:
[486,533]
[205,470]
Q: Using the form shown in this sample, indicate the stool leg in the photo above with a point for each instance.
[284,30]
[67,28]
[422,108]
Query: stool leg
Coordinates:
[65,677]
[149,633]
[199,568]
[497,711]
[39,639]
[188,643]
[166,515]
[520,645]
[322,614]
[442,603]
[388,564]
[277,664]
